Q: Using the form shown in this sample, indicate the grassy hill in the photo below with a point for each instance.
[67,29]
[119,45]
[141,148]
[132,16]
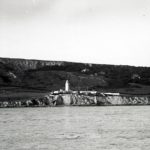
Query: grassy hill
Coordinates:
[36,76]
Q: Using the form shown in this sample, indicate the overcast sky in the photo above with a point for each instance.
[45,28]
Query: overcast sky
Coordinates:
[94,31]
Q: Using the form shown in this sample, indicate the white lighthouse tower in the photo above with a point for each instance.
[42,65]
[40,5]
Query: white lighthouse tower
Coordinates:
[67,86]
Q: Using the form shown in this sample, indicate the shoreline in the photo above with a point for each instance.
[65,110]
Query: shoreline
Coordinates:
[80,100]
[74,106]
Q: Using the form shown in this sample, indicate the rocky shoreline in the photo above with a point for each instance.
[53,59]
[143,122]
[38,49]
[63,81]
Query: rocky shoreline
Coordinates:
[68,99]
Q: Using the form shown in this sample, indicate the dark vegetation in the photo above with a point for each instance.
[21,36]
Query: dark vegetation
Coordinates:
[19,75]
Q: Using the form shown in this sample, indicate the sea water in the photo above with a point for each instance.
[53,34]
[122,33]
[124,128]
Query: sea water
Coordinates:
[75,128]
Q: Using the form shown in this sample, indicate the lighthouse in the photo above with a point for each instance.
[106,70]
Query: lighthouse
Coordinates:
[67,86]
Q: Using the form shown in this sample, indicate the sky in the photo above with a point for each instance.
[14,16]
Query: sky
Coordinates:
[91,31]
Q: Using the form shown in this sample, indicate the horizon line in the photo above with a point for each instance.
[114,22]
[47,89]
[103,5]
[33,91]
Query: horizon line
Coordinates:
[67,61]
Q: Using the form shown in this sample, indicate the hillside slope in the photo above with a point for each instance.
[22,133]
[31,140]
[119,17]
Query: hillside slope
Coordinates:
[51,75]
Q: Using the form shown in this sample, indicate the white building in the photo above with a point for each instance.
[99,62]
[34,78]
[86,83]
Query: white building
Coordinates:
[67,88]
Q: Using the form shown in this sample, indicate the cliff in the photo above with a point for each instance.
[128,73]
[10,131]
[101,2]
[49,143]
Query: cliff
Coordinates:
[78,100]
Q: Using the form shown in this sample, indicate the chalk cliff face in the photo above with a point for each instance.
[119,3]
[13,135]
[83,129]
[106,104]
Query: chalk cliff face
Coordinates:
[78,100]
[123,100]
[81,100]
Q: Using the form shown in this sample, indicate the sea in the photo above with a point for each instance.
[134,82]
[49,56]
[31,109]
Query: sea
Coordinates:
[75,128]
